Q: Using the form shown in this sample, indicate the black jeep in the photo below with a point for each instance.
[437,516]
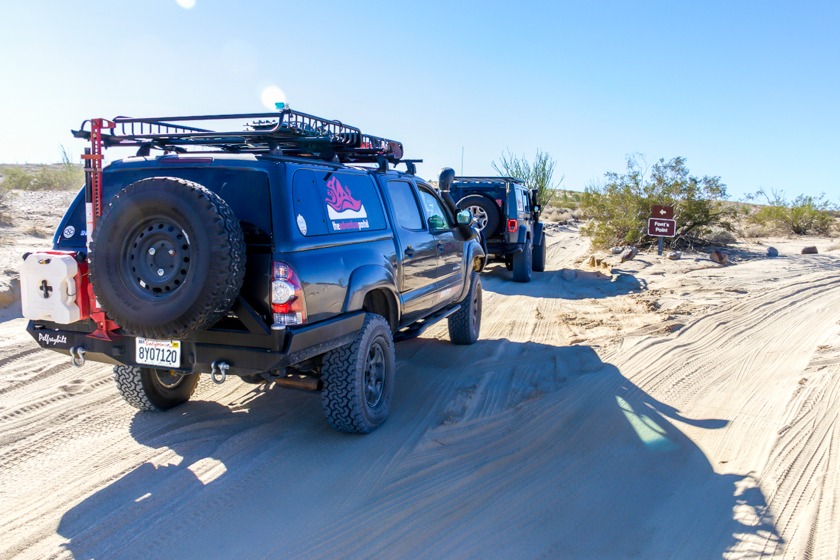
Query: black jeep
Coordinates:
[507,215]
[287,250]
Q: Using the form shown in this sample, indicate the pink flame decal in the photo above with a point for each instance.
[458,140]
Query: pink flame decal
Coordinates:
[339,197]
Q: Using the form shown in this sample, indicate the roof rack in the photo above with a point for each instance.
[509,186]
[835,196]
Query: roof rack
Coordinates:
[486,179]
[286,132]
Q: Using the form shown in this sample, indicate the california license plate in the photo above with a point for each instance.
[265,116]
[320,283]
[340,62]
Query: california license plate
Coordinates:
[151,352]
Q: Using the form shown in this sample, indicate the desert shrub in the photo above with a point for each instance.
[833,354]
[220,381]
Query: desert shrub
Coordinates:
[754,231]
[37,231]
[721,237]
[566,199]
[804,215]
[61,176]
[15,177]
[555,214]
[537,175]
[619,208]
[44,178]
[4,209]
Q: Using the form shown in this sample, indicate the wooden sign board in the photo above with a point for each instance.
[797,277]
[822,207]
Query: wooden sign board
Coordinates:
[662,212]
[662,227]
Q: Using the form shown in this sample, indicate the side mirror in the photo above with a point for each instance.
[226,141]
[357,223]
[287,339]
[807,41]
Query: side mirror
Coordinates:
[436,223]
[464,218]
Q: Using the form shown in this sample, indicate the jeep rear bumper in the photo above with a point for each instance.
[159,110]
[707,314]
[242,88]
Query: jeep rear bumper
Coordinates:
[247,354]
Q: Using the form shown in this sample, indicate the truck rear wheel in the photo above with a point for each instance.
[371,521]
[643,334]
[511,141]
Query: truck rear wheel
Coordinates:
[465,324]
[522,263]
[359,379]
[154,389]
[485,212]
[167,258]
[539,255]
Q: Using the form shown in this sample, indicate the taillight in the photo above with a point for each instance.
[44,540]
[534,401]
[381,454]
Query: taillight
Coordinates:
[287,301]
[512,226]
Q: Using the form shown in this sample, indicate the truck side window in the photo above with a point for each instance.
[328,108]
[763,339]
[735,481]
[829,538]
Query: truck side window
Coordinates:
[520,202]
[432,206]
[406,210]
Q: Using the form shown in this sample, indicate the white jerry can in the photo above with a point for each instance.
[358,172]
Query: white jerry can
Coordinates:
[48,288]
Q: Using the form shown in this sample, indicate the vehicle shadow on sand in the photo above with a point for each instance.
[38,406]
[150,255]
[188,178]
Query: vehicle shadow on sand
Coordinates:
[567,283]
[499,449]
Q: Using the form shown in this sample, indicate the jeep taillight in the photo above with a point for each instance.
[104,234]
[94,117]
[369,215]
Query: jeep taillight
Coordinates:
[512,226]
[287,301]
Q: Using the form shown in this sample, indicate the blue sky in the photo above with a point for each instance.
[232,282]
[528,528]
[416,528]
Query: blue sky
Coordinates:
[747,91]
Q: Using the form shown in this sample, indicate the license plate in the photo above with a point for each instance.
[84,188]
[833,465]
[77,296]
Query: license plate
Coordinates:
[150,352]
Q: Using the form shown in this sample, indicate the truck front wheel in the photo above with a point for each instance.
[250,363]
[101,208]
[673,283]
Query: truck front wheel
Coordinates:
[154,389]
[359,379]
[465,324]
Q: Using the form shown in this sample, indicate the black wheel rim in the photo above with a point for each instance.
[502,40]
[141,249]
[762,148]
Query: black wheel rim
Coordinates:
[156,259]
[168,379]
[374,374]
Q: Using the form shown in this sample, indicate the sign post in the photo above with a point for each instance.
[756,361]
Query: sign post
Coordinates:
[661,224]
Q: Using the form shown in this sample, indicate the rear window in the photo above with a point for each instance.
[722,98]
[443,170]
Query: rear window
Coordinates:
[335,202]
[244,190]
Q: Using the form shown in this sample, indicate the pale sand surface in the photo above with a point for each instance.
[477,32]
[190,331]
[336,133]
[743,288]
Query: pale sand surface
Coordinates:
[651,409]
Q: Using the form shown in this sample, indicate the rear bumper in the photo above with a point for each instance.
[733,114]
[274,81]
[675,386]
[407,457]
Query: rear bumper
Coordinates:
[499,248]
[246,354]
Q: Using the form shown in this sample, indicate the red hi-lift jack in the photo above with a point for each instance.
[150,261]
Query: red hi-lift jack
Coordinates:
[105,327]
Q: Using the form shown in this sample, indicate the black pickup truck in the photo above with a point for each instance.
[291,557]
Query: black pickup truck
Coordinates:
[288,250]
[507,215]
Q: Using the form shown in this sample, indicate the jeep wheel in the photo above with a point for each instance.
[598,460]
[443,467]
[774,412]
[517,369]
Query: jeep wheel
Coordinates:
[465,324]
[359,379]
[154,389]
[522,264]
[539,255]
[167,258]
[484,210]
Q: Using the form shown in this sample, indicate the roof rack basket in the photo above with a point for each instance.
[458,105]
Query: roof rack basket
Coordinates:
[286,132]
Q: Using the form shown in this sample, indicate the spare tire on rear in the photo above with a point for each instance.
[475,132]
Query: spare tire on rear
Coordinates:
[167,258]
[485,211]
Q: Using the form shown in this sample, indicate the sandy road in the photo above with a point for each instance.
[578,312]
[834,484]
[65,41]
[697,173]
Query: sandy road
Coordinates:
[658,410]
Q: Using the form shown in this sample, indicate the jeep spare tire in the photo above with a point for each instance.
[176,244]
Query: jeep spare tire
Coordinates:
[485,212]
[167,258]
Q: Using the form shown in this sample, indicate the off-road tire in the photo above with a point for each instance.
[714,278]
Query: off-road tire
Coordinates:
[538,264]
[167,258]
[484,210]
[359,379]
[465,324]
[522,263]
[153,389]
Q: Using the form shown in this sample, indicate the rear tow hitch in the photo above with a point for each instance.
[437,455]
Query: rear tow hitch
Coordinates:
[77,356]
[218,372]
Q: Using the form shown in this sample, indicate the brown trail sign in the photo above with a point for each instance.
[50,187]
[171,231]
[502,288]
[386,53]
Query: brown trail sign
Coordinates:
[664,212]
[661,223]
[662,228]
